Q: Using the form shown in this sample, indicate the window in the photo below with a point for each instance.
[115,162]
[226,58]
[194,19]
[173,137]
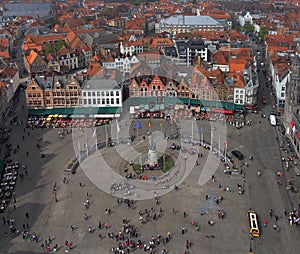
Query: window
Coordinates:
[112,101]
[118,101]
[67,93]
[111,93]
[117,93]
[94,101]
[93,94]
[102,93]
[89,94]
[83,93]
[103,101]
[98,94]
[84,101]
[90,101]
[107,101]
[98,101]
[107,93]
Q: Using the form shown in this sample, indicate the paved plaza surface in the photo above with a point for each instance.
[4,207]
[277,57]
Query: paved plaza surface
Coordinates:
[48,218]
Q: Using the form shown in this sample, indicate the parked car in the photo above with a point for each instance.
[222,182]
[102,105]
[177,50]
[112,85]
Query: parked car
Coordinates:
[238,154]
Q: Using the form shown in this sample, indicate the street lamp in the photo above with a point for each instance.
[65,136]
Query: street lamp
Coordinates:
[185,158]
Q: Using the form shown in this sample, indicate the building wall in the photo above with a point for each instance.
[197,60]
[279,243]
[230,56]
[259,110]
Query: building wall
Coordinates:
[34,95]
[102,97]
[239,96]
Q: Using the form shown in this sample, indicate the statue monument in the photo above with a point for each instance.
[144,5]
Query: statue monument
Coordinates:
[152,153]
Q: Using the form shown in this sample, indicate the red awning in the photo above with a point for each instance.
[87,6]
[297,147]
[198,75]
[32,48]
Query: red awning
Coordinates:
[251,106]
[223,111]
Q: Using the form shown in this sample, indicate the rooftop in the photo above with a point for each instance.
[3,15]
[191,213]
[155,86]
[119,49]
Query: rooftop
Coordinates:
[27,9]
[100,84]
[190,20]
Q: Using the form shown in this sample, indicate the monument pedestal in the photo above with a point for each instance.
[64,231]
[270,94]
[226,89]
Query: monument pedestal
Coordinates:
[152,158]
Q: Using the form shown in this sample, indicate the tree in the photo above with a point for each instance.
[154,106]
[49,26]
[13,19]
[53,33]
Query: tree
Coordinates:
[249,27]
[263,31]
[52,47]
[49,48]
[60,44]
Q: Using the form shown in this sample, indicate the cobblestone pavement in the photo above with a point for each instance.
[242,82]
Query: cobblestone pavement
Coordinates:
[48,218]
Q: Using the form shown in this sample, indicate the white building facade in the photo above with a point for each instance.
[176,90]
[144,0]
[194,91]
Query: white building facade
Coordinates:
[245,17]
[101,93]
[239,96]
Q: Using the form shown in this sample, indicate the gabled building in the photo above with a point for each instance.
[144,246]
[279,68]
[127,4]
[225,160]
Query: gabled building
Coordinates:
[239,93]
[51,92]
[182,24]
[10,73]
[75,43]
[220,60]
[35,96]
[280,76]
[292,106]
[187,51]
[34,63]
[245,17]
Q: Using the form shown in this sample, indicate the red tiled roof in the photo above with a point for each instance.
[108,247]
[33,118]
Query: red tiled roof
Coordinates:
[31,57]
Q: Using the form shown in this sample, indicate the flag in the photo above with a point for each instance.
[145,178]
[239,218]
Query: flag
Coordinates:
[292,123]
[298,134]
[138,124]
[149,125]
[118,127]
[294,129]
[94,133]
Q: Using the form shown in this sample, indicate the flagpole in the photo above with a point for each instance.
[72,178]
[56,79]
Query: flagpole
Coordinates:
[226,144]
[118,129]
[219,144]
[106,140]
[96,141]
[87,148]
[78,147]
[192,131]
[211,138]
